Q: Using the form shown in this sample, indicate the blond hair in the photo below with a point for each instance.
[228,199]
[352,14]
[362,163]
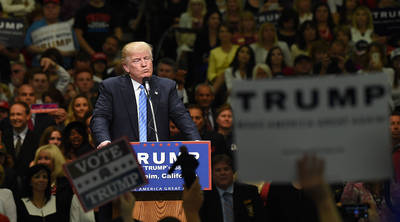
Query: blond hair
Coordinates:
[131,47]
[265,25]
[370,24]
[57,158]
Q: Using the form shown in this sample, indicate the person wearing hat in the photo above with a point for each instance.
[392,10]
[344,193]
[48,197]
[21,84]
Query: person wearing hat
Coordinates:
[99,66]
[51,13]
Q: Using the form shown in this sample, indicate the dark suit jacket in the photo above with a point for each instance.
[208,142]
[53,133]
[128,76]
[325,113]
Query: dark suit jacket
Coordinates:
[247,204]
[115,113]
[27,153]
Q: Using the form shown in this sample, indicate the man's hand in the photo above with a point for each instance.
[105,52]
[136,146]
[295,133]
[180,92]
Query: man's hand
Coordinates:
[103,144]
[47,64]
[310,171]
[59,115]
[192,201]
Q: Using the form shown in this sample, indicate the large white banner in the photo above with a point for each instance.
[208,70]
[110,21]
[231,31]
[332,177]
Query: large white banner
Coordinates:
[57,35]
[344,120]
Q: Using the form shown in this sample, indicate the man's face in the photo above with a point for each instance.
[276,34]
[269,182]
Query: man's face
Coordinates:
[197,117]
[51,11]
[17,74]
[40,83]
[139,64]
[18,117]
[222,175]
[303,67]
[165,70]
[84,82]
[395,126]
[26,94]
[204,96]
[110,47]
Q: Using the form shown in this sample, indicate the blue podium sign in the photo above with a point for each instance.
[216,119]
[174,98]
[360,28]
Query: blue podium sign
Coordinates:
[157,157]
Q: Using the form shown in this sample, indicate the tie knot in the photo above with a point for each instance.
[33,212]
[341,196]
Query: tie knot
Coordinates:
[141,87]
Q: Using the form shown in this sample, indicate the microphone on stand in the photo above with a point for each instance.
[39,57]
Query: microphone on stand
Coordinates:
[146,82]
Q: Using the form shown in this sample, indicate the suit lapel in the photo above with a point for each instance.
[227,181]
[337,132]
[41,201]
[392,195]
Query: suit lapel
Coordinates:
[129,99]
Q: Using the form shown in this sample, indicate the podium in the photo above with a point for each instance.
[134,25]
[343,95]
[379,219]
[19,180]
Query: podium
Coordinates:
[161,197]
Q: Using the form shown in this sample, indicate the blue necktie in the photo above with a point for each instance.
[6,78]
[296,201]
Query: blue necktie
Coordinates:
[228,207]
[142,115]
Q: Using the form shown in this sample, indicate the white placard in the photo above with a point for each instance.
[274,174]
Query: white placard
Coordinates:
[58,35]
[344,120]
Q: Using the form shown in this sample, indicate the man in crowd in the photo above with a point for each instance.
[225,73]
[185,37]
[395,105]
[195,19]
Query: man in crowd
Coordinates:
[20,141]
[229,200]
[167,68]
[204,97]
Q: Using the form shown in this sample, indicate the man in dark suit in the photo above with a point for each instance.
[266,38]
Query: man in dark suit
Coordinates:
[230,201]
[20,142]
[117,114]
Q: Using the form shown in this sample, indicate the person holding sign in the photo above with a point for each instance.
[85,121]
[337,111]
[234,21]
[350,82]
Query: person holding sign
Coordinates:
[124,109]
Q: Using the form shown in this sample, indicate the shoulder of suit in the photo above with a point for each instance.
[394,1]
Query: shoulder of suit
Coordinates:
[115,79]
[245,186]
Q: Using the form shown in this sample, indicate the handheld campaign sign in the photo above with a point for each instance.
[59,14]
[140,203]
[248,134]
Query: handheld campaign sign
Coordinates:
[156,159]
[44,108]
[343,119]
[103,175]
[12,32]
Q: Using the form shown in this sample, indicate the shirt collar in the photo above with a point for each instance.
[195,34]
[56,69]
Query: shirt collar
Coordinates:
[221,191]
[136,85]
[22,133]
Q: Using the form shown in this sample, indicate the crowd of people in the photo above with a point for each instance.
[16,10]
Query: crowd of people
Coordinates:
[203,45]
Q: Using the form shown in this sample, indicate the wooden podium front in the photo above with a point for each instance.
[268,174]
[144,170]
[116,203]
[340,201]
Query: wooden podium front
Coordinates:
[153,206]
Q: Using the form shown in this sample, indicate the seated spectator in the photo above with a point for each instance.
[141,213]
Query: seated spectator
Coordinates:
[231,16]
[224,125]
[18,77]
[377,62]
[222,56]
[75,141]
[247,30]
[218,145]
[52,157]
[287,26]
[267,38]
[303,65]
[38,204]
[362,27]
[275,60]
[322,17]
[111,48]
[7,203]
[240,68]
[230,200]
[323,63]
[307,35]
[77,109]
[262,71]
[99,66]
[204,97]
[303,8]
[343,34]
[51,135]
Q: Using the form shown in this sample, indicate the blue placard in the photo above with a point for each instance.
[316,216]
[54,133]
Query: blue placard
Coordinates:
[157,157]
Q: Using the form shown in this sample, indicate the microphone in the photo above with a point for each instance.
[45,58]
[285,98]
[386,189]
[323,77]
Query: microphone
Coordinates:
[146,82]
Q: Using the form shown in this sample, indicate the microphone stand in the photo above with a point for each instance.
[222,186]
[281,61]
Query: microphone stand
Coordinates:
[147,88]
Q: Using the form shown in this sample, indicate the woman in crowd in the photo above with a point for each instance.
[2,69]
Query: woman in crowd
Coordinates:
[75,141]
[323,19]
[307,35]
[224,121]
[267,38]
[347,11]
[38,204]
[222,56]
[276,62]
[362,28]
[51,156]
[261,71]
[395,61]
[51,135]
[303,8]
[247,30]
[7,204]
[232,14]
[287,26]
[206,41]
[377,62]
[78,107]
[240,68]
